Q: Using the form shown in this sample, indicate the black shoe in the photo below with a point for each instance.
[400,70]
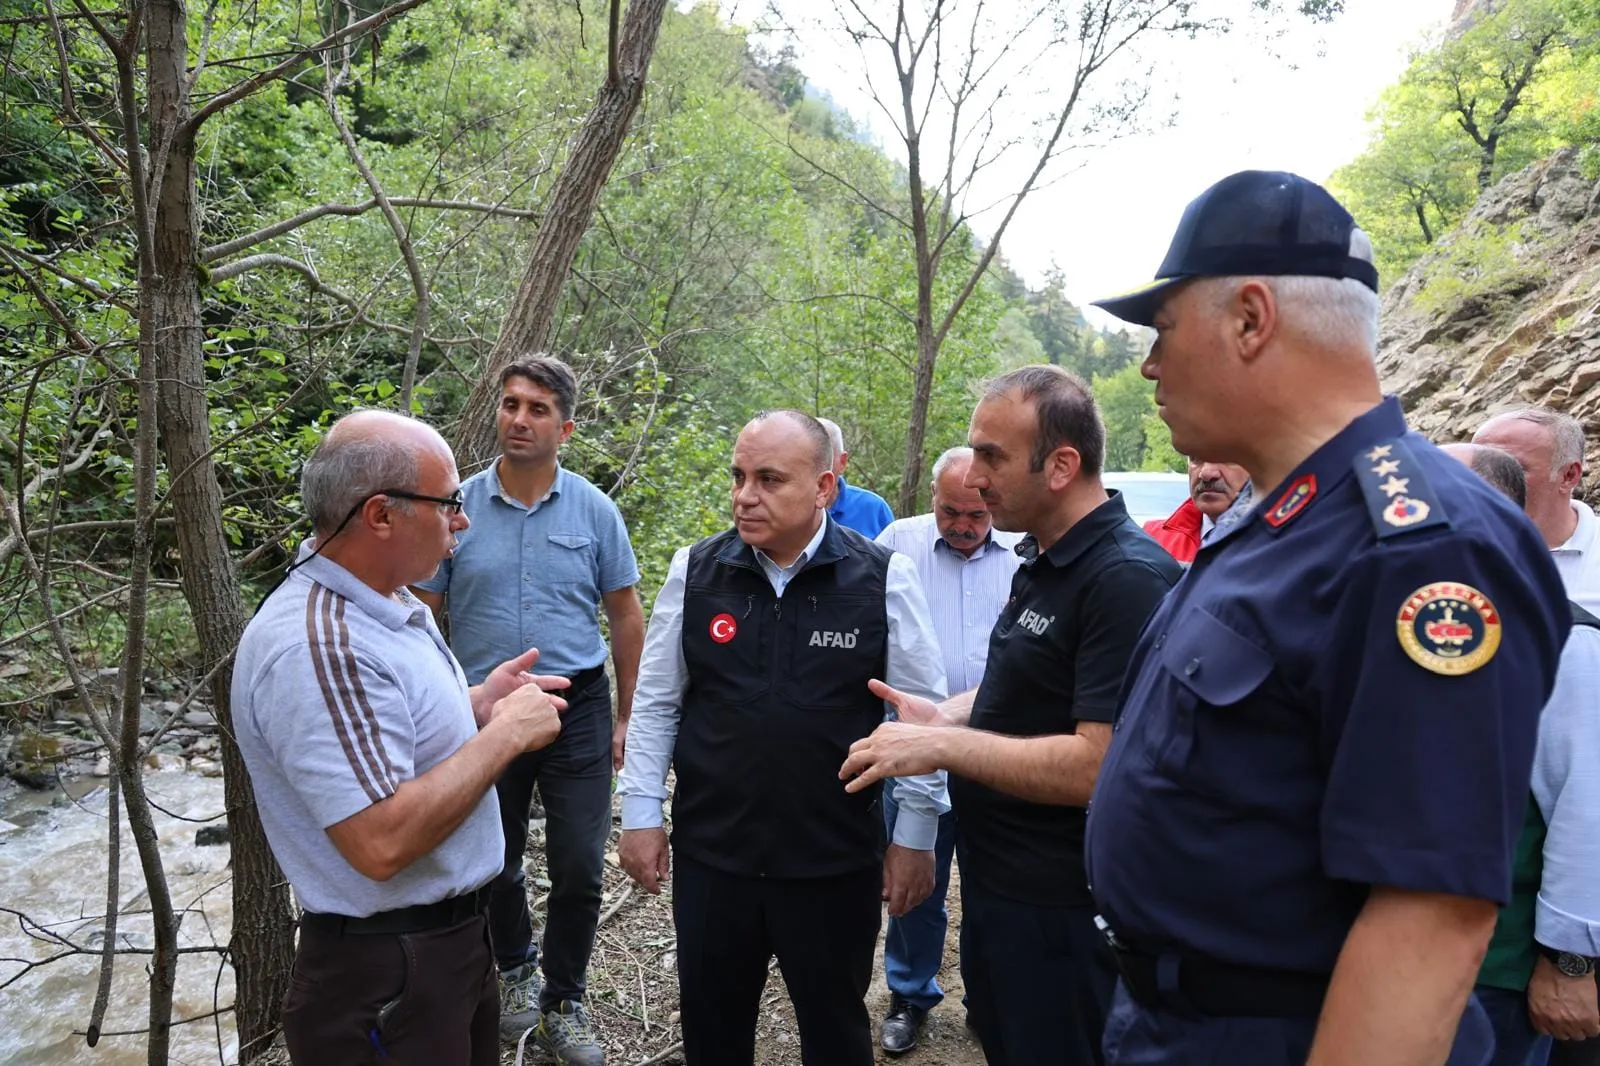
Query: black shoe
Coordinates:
[901,1026]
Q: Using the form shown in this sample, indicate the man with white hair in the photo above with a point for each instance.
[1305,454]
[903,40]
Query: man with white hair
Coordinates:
[1538,977]
[1549,446]
[853,507]
[1303,829]
[966,566]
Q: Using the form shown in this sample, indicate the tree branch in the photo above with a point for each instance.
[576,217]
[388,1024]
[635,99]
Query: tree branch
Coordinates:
[278,229]
[402,237]
[240,90]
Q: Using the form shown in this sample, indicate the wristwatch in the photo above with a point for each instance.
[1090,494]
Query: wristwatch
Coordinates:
[1570,964]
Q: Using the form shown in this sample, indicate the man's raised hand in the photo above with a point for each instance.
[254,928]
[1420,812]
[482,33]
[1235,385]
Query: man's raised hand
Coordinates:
[917,710]
[506,678]
[532,715]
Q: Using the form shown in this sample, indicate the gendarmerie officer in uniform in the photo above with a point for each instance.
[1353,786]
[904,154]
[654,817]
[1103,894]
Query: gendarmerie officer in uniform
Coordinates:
[1305,821]
[752,687]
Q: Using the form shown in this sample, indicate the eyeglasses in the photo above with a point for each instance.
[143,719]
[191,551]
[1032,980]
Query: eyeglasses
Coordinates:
[454,501]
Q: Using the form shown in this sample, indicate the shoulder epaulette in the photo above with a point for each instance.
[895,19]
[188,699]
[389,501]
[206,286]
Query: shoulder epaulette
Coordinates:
[1399,499]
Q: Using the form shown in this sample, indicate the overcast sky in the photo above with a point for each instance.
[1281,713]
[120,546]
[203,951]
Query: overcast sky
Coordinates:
[1299,105]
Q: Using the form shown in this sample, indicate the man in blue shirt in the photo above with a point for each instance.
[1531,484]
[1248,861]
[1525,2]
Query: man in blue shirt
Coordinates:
[545,552]
[854,508]
[966,567]
[1304,825]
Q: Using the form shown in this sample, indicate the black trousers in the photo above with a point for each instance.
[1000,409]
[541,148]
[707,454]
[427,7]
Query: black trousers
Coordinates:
[1039,980]
[823,932]
[574,780]
[415,998]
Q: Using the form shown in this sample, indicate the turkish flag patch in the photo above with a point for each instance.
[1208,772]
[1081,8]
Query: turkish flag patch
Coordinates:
[723,628]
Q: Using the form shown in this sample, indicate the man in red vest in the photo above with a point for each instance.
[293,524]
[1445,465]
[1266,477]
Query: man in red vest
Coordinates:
[1212,487]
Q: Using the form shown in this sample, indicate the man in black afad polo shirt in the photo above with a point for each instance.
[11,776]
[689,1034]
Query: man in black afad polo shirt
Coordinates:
[1024,748]
[753,686]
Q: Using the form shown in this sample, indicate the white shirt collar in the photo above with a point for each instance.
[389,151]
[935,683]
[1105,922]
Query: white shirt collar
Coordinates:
[1583,536]
[784,573]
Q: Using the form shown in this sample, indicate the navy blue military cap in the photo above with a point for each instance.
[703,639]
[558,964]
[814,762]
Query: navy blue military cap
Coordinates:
[1253,222]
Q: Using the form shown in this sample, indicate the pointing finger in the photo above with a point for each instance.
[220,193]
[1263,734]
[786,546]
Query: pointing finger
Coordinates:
[524,661]
[885,693]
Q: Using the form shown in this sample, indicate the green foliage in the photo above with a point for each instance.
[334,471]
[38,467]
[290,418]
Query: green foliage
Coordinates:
[1483,269]
[721,275]
[1519,82]
[1136,438]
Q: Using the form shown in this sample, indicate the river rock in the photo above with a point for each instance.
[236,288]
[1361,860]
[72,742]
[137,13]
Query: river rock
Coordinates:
[211,835]
[164,761]
[206,767]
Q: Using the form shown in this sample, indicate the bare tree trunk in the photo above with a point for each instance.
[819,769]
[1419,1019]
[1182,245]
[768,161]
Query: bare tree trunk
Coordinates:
[527,326]
[263,945]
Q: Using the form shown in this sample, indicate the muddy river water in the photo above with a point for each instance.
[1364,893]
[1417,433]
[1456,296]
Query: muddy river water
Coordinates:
[52,868]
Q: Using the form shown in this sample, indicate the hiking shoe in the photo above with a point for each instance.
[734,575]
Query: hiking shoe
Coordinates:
[519,1001]
[565,1032]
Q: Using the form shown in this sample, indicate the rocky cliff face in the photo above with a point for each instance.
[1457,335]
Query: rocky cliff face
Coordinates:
[1504,312]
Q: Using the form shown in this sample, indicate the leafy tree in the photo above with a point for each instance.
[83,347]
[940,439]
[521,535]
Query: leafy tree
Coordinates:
[1515,84]
[1136,438]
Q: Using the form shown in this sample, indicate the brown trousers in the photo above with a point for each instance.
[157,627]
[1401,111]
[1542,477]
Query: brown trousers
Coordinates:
[412,999]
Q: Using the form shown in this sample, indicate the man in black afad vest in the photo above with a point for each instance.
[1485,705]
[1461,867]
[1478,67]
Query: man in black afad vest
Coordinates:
[753,686]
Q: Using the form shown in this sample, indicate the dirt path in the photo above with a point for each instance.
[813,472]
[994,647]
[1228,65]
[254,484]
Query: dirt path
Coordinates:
[633,991]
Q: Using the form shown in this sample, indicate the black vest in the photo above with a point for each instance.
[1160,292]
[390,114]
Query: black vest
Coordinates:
[777,693]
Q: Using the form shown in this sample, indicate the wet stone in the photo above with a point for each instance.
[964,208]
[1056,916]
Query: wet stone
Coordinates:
[211,835]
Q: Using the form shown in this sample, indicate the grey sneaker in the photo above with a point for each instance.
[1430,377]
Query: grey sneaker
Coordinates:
[565,1032]
[519,1001]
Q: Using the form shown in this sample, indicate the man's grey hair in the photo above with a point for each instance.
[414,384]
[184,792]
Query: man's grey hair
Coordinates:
[812,427]
[1333,312]
[344,470]
[960,453]
[1502,471]
[1566,434]
[835,439]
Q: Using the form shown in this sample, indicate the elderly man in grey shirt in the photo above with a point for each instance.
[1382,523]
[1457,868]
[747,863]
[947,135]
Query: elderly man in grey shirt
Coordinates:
[372,760]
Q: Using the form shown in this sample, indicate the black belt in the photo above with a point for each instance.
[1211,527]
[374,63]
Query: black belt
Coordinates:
[584,678]
[416,919]
[1208,986]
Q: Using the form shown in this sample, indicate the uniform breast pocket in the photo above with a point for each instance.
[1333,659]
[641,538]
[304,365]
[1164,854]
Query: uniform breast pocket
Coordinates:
[570,559]
[1210,670]
[837,645]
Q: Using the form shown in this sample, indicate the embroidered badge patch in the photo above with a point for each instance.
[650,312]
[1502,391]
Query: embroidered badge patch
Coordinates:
[1448,628]
[723,628]
[1404,511]
[1293,501]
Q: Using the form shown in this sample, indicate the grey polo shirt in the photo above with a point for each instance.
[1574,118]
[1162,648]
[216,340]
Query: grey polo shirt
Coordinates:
[341,694]
[532,577]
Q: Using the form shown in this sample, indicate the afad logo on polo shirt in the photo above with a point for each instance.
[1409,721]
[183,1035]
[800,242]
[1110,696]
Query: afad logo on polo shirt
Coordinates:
[1448,628]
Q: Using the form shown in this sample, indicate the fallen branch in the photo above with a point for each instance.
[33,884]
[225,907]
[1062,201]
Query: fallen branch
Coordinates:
[627,894]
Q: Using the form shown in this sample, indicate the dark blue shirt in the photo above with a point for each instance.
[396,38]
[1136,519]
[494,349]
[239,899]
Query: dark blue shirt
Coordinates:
[861,510]
[1343,691]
